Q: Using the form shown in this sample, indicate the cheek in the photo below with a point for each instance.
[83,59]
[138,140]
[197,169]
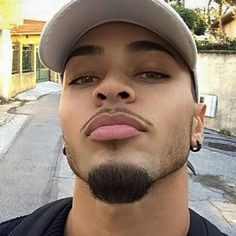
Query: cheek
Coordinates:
[171,114]
[74,112]
[172,99]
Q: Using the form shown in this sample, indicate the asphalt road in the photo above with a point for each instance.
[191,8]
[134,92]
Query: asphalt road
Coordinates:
[28,167]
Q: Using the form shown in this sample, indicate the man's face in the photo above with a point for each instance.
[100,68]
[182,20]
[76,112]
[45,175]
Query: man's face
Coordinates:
[126,111]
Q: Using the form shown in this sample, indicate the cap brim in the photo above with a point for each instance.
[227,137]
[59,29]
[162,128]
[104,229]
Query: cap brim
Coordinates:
[79,16]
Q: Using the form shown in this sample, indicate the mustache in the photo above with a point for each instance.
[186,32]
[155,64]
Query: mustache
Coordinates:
[112,111]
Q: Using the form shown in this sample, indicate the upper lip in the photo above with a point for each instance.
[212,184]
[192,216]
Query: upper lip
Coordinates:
[114,119]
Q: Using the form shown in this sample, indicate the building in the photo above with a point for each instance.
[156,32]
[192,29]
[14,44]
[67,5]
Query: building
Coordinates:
[10,16]
[228,23]
[21,50]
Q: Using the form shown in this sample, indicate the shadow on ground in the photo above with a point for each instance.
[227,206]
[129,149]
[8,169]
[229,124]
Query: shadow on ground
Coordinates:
[216,182]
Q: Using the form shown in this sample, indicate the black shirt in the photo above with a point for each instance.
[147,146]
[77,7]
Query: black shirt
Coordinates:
[50,220]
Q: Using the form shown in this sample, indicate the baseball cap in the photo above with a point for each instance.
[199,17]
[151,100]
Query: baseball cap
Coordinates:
[77,17]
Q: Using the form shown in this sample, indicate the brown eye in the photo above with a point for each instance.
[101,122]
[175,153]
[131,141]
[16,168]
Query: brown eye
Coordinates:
[152,76]
[83,80]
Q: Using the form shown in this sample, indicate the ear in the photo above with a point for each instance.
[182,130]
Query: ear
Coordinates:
[198,124]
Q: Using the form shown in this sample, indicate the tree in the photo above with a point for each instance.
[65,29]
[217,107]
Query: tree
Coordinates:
[194,18]
[222,4]
[178,2]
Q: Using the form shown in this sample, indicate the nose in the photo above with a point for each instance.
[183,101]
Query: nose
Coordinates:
[113,90]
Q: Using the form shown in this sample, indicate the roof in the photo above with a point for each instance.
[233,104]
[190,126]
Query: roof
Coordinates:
[29,27]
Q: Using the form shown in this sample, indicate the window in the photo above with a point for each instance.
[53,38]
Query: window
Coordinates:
[27,55]
[16,59]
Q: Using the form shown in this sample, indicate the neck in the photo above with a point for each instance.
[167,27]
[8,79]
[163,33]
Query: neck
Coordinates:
[165,205]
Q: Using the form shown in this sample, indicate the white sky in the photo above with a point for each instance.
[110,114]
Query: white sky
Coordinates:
[43,9]
[40,9]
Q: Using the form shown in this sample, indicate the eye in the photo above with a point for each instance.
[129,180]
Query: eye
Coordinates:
[84,80]
[153,76]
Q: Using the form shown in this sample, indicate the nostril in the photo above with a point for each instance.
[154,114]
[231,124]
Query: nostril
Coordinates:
[123,95]
[101,96]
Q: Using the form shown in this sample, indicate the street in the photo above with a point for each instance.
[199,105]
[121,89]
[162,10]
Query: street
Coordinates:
[33,170]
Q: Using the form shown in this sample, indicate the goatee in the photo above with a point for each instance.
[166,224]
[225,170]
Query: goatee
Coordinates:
[116,184]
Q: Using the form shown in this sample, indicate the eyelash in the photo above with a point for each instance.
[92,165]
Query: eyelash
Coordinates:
[81,80]
[158,76]
[88,79]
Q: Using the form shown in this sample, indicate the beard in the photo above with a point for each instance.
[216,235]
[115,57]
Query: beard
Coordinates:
[120,183]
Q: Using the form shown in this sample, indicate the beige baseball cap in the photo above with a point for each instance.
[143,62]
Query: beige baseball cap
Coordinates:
[79,16]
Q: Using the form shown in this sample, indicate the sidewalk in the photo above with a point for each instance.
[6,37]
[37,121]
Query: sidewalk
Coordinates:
[10,123]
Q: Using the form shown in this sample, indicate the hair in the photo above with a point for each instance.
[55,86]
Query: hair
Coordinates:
[117,184]
[193,87]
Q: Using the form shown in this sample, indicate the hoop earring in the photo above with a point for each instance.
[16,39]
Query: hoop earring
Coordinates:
[196,149]
[64,151]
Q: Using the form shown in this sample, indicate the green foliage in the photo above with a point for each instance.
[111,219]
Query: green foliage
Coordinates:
[226,2]
[194,18]
[225,132]
[216,14]
[226,44]
[3,100]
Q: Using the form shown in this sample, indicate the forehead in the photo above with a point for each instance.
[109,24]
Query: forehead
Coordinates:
[116,37]
[120,33]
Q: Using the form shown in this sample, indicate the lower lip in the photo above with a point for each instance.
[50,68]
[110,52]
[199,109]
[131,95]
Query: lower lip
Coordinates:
[113,132]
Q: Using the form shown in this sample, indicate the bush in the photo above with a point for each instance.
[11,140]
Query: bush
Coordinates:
[227,44]
[3,100]
[225,132]
[194,19]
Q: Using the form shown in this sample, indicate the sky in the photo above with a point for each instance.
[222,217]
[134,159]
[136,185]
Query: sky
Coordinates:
[43,9]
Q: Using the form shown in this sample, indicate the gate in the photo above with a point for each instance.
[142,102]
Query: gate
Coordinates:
[42,73]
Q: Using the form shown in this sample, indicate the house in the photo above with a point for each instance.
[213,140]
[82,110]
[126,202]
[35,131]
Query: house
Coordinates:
[25,69]
[228,23]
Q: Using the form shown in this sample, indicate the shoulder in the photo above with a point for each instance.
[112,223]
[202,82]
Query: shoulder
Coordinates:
[201,226]
[38,222]
[7,226]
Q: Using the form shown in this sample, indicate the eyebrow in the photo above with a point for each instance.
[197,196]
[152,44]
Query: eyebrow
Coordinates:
[86,50]
[136,46]
[145,45]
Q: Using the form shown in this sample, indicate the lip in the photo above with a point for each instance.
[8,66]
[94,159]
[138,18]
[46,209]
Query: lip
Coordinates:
[116,120]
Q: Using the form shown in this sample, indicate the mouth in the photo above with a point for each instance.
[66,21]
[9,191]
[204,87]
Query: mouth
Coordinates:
[114,127]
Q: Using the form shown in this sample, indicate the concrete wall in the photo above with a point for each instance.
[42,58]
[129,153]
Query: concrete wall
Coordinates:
[21,82]
[217,76]
[54,77]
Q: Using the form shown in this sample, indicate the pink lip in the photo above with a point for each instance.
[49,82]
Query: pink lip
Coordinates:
[114,127]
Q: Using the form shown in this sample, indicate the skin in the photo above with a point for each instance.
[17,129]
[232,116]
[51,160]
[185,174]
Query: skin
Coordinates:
[163,98]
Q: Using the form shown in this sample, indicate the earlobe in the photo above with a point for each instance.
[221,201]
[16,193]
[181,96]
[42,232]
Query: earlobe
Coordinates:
[198,125]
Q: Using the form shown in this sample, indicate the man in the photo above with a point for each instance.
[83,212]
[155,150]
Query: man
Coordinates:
[130,115]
